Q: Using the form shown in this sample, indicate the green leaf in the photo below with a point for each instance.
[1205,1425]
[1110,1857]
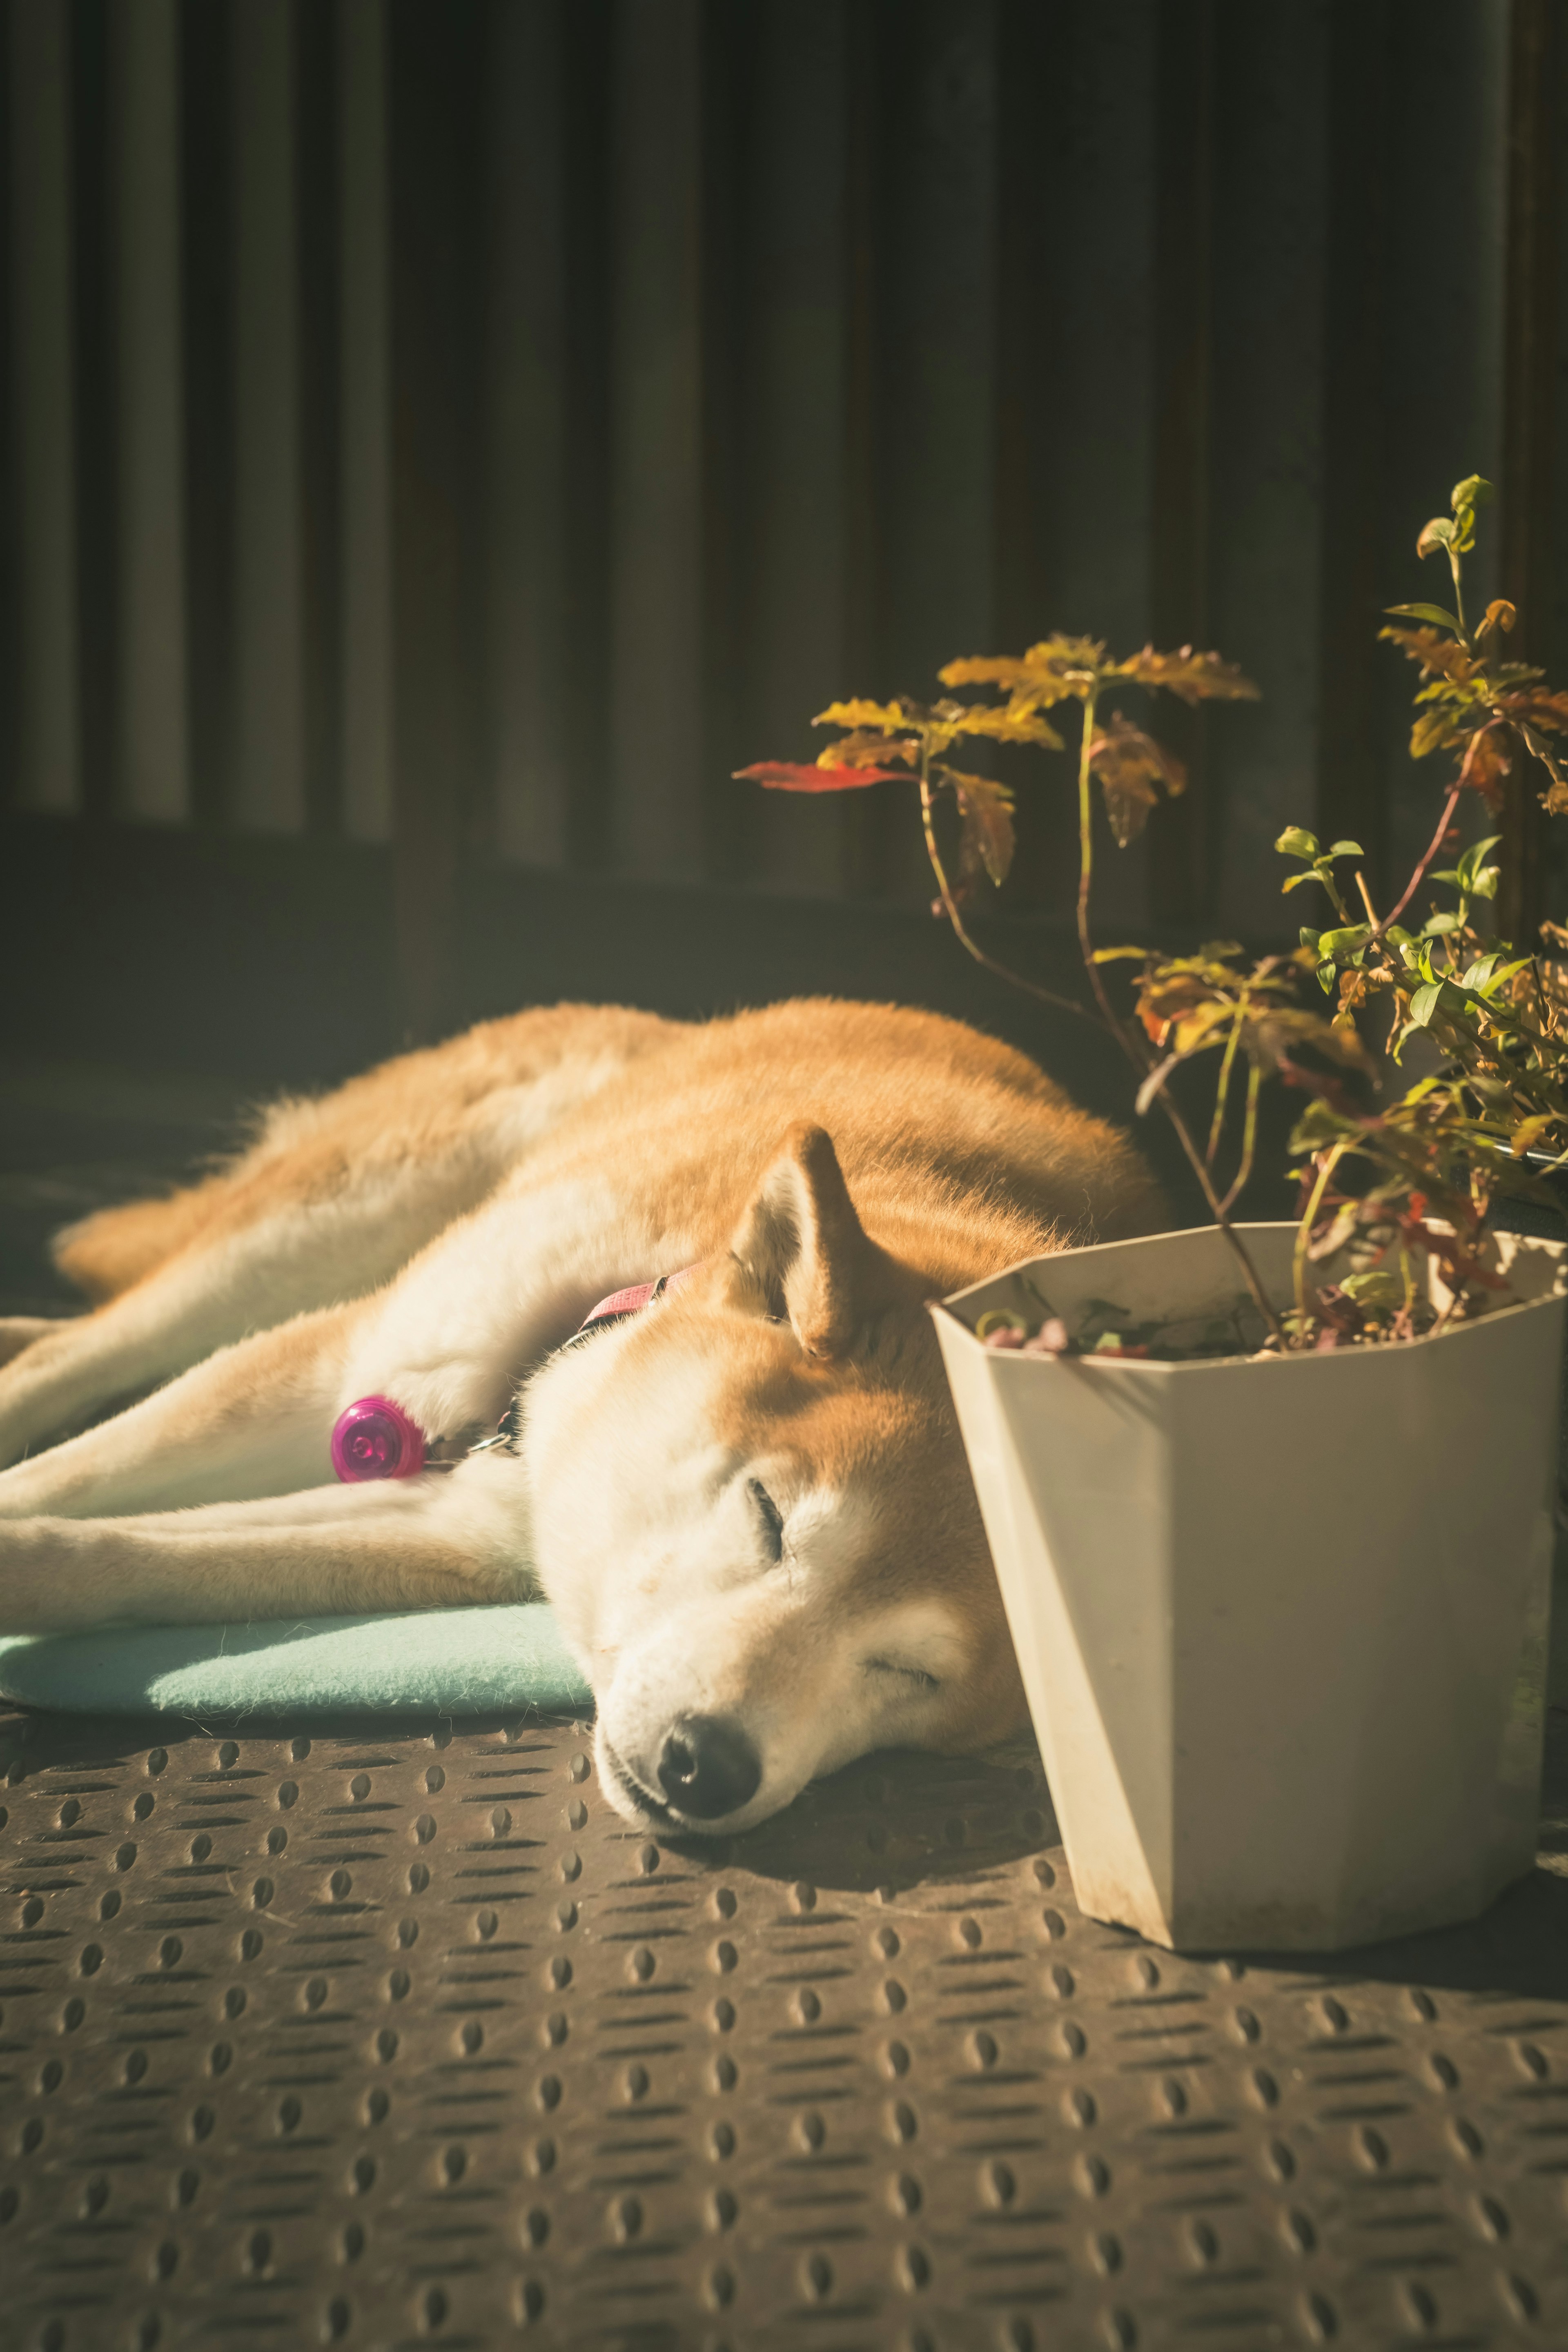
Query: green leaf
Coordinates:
[1485,884]
[1397,936]
[1376,1289]
[1438,533]
[1296,842]
[1309,937]
[1425,1004]
[1344,849]
[1326,975]
[1294,881]
[1475,490]
[1469,863]
[1120,955]
[1439,927]
[1433,612]
[1345,941]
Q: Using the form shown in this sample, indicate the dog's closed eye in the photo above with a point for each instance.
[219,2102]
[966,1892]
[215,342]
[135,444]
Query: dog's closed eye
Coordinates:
[772,1519]
[916,1675]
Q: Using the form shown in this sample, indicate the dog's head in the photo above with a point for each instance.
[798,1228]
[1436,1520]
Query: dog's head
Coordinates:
[753,1515]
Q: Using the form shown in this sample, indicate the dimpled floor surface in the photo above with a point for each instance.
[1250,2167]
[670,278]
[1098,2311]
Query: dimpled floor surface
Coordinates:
[394,2037]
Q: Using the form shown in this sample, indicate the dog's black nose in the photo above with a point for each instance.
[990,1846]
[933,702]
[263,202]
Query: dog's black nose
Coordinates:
[707,1767]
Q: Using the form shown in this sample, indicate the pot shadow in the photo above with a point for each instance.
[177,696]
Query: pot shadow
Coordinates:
[1516,1950]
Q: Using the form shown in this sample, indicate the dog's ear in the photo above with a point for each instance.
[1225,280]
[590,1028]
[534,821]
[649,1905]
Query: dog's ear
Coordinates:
[801,1252]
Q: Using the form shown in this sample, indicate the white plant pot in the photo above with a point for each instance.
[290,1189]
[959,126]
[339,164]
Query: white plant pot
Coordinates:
[1282,1621]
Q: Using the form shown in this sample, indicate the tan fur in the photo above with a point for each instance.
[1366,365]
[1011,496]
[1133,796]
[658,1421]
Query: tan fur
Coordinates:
[435,1230]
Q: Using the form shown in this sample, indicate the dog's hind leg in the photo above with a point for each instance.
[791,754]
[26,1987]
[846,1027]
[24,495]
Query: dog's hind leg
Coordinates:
[242,1274]
[334,1199]
[436,1541]
[254,1419]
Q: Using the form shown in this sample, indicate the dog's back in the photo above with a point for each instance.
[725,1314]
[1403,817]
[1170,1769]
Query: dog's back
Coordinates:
[961,1155]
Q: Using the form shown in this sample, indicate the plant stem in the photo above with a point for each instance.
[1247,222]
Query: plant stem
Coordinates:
[1085,881]
[1218,1211]
[1411,887]
[1304,1231]
[1459,598]
[950,906]
[1131,1045]
[1221,1091]
[1248,1139]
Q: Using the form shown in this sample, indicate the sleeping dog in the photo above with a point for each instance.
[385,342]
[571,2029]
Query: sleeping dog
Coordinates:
[627,1312]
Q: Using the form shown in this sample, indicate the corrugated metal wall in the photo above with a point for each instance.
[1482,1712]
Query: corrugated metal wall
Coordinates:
[485,423]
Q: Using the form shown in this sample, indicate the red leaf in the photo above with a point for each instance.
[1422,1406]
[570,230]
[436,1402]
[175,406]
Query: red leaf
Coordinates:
[804,776]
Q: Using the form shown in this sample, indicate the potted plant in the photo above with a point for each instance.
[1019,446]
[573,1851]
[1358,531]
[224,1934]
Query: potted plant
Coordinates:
[1272,1504]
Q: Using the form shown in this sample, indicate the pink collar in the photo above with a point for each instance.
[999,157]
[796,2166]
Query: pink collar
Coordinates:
[374,1438]
[621,1303]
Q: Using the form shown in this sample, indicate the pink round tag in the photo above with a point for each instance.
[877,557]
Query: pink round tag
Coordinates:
[375,1439]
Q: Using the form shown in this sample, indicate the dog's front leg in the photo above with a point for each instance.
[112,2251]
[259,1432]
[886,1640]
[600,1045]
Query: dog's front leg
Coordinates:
[255,1419]
[450,1339]
[438,1541]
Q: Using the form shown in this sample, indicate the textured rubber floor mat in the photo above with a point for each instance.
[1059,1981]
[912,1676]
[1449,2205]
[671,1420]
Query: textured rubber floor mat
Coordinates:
[402,2040]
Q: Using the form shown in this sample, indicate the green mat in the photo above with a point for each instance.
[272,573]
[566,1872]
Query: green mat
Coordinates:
[455,1661]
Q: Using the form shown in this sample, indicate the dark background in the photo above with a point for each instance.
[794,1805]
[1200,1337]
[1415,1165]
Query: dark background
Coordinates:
[442,439]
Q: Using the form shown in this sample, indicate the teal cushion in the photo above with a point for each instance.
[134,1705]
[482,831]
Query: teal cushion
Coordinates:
[457,1661]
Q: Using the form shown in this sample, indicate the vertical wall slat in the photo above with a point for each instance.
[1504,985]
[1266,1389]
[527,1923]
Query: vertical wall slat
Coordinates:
[1349,802]
[530,397]
[937,304]
[145,53]
[1531,364]
[364,376]
[937,321]
[1094,417]
[42,407]
[207,260]
[317,260]
[1181,308]
[269,791]
[436,62]
[794,636]
[656,460]
[1443,321]
[1269,221]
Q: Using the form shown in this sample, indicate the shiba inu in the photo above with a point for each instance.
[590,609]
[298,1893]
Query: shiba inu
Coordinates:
[625,1312]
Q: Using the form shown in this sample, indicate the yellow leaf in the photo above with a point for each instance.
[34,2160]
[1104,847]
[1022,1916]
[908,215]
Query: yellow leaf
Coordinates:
[1439,655]
[1194,676]
[1527,1136]
[1129,764]
[1059,653]
[865,748]
[1431,732]
[1004,724]
[987,841]
[887,716]
[984,669]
